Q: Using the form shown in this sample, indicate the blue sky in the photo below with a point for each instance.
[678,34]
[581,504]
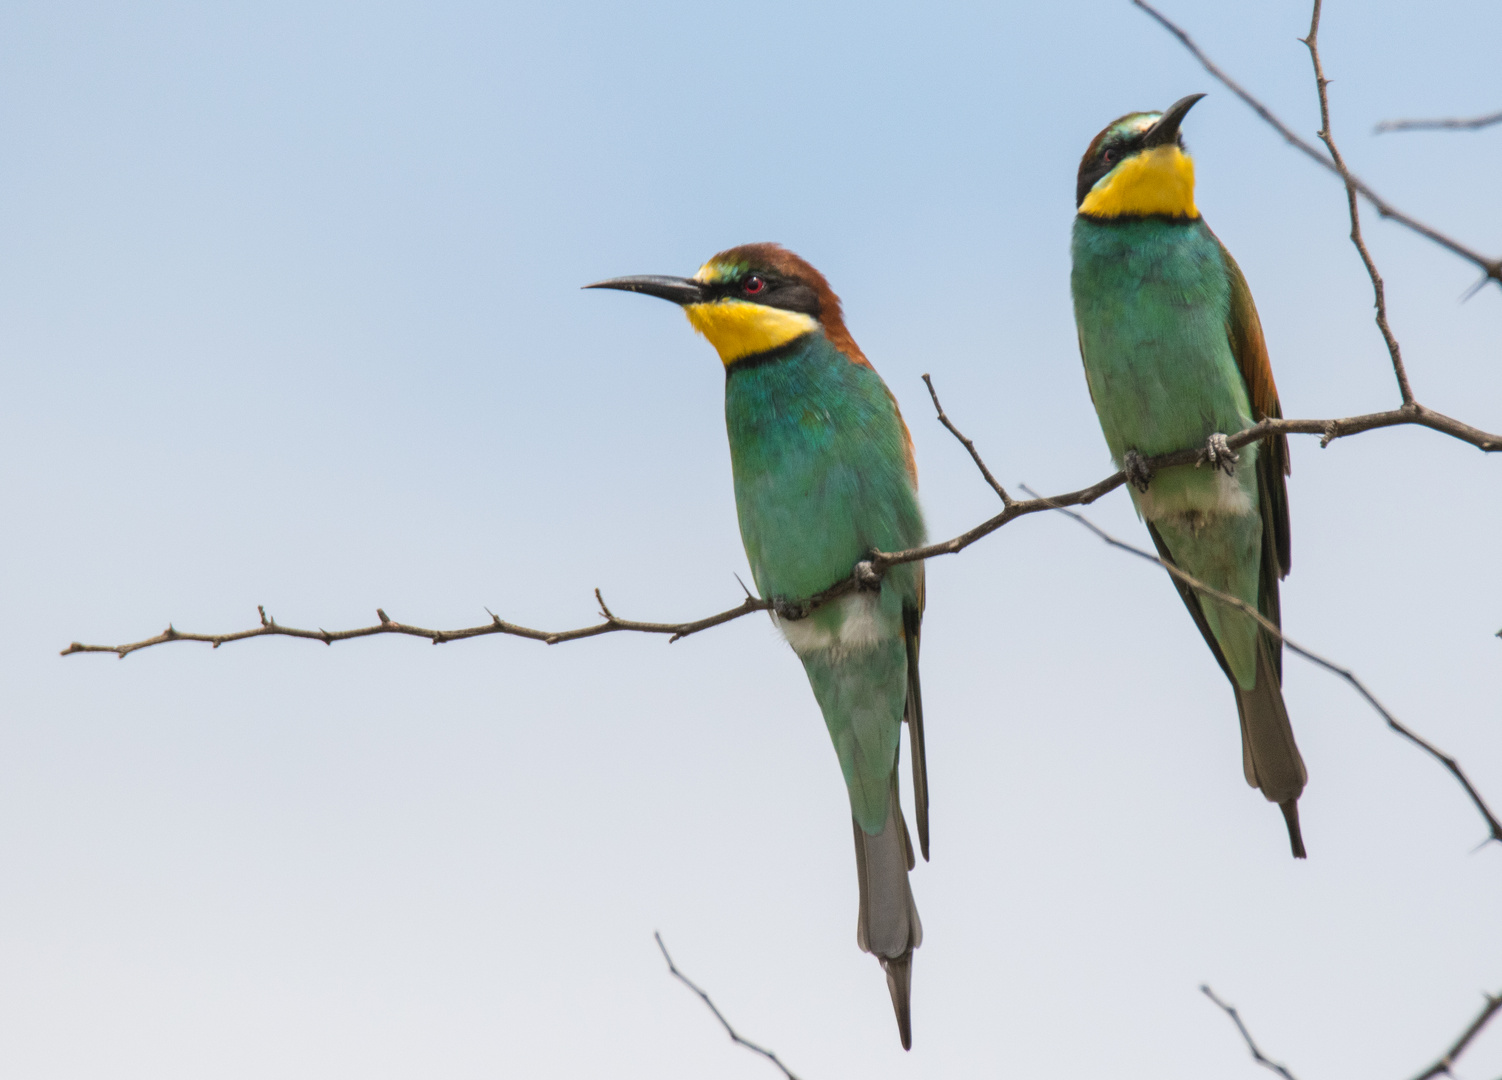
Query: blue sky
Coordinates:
[290,315]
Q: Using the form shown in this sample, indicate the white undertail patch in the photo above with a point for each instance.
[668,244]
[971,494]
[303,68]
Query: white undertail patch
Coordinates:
[859,629]
[1194,505]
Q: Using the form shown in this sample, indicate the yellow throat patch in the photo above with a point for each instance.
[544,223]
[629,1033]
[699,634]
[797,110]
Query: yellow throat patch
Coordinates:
[1156,181]
[738,328]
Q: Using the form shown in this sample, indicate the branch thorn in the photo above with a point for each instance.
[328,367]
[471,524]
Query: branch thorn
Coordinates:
[605,611]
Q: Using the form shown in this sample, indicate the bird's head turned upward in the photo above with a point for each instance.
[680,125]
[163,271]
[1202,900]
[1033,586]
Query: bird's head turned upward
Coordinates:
[751,300]
[1137,168]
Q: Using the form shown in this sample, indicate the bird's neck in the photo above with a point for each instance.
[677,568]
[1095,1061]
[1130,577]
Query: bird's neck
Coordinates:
[1155,183]
[739,330]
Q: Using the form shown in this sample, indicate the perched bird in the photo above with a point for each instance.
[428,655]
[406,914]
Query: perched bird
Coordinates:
[1174,357]
[824,473]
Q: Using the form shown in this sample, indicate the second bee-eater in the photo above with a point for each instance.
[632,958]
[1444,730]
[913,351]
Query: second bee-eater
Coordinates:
[824,473]
[1174,357]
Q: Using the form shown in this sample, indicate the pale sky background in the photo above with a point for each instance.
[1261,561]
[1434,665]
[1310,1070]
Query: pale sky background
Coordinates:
[290,315]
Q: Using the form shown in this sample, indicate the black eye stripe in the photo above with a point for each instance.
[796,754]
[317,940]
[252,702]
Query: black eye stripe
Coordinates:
[776,292]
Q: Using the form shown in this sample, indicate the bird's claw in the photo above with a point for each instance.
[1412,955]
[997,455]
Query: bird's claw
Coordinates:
[867,576]
[1219,455]
[792,610]
[1137,472]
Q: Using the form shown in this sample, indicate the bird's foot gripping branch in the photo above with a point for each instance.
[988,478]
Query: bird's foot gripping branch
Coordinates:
[1136,470]
[1219,455]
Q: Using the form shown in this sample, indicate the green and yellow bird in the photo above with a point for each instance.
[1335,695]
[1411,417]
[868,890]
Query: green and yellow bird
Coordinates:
[1174,357]
[824,473]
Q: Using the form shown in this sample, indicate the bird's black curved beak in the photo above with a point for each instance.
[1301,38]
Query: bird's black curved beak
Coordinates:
[1166,130]
[678,290]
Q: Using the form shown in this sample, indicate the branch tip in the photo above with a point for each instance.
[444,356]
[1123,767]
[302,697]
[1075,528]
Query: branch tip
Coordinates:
[704,997]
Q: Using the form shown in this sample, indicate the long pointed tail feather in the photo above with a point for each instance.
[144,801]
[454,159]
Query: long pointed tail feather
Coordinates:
[900,986]
[888,923]
[1269,755]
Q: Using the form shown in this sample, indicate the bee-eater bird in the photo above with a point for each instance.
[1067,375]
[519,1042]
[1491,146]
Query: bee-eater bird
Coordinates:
[824,473]
[1174,357]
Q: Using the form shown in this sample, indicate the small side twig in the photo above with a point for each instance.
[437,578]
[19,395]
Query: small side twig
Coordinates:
[734,1036]
[1257,1055]
[1322,85]
[1443,124]
[1006,500]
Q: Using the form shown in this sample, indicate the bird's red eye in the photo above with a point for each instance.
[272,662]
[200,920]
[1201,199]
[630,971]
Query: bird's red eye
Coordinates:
[1109,156]
[753,285]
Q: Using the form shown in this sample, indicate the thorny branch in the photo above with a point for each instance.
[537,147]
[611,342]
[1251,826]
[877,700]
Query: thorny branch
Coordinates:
[1446,124]
[1441,1067]
[271,628]
[1321,85]
[862,575]
[735,1038]
[1491,267]
[1251,1045]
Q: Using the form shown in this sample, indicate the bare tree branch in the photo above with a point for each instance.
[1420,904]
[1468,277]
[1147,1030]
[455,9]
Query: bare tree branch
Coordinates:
[735,1038]
[865,574]
[1321,85]
[271,628]
[1491,267]
[1257,1054]
[1445,124]
[1447,1059]
[1493,825]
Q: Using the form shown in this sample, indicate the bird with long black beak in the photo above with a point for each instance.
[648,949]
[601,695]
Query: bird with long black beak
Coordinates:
[824,474]
[1174,357]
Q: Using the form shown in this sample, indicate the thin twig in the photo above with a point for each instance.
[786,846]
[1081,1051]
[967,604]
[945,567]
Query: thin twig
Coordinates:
[1493,825]
[1445,124]
[735,1038]
[1491,267]
[1257,1054]
[1379,290]
[1006,500]
[1447,1059]
[879,561]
